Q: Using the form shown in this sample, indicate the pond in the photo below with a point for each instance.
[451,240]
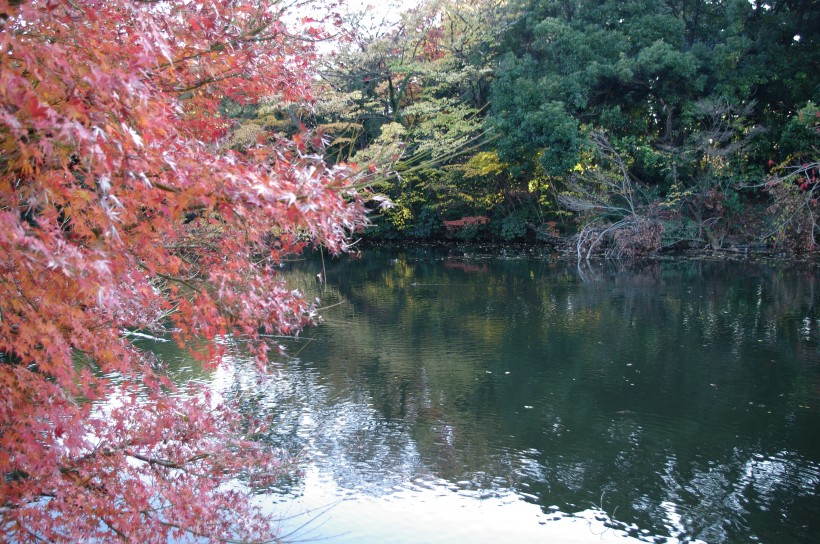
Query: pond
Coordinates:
[462,396]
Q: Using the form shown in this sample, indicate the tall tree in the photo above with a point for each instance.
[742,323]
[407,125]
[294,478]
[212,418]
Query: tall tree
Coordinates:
[422,82]
[693,95]
[121,211]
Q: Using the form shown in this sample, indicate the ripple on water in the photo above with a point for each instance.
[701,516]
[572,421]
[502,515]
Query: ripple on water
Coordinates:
[429,511]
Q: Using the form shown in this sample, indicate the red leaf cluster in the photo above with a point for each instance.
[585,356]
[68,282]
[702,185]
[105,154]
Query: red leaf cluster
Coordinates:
[469,220]
[119,210]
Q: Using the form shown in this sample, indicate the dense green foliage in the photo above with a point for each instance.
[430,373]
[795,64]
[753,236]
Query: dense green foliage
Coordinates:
[694,101]
[623,126]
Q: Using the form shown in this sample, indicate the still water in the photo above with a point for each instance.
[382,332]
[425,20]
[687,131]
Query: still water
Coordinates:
[454,396]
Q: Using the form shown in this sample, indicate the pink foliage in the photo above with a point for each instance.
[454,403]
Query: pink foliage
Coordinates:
[119,209]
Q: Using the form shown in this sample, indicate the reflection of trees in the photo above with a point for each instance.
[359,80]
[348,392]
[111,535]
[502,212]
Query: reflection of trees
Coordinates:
[656,383]
[179,364]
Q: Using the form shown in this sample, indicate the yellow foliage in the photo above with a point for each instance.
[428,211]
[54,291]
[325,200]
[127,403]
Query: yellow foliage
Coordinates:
[538,184]
[485,163]
[336,128]
[675,195]
[400,215]
[246,134]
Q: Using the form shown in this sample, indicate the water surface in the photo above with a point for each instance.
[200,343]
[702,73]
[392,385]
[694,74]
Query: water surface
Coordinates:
[454,397]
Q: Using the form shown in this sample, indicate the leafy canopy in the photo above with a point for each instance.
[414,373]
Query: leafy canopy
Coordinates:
[121,210]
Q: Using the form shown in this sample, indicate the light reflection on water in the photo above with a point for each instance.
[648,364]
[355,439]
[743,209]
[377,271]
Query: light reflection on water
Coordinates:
[433,512]
[454,398]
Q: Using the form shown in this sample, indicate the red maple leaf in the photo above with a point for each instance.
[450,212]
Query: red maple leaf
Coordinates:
[119,211]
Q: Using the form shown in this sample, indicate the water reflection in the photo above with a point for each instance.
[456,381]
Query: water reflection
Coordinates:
[665,402]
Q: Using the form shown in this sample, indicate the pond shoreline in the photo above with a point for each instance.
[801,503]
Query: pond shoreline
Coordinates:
[754,253]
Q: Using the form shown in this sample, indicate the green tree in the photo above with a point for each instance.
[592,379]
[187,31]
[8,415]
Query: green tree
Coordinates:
[693,95]
[429,75]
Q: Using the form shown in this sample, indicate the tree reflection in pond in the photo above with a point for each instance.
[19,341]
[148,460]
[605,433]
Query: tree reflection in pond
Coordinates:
[680,398]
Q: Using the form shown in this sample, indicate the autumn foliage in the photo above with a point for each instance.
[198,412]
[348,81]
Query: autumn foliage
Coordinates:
[468,221]
[120,211]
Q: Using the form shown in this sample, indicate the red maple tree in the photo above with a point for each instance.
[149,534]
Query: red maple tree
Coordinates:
[120,211]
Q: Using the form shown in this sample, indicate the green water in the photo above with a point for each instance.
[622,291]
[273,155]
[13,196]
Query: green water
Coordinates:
[454,396]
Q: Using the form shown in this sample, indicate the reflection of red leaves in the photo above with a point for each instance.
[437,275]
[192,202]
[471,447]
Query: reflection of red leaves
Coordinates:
[469,268]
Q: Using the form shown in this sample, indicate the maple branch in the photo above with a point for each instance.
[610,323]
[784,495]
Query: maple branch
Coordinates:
[154,461]
[163,187]
[217,47]
[169,464]
[34,535]
[86,110]
[227,74]
[173,279]
[192,245]
[113,528]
